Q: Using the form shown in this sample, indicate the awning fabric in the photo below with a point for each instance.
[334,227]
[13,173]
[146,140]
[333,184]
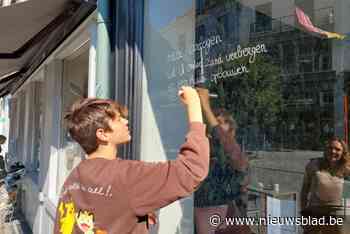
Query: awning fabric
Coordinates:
[30,31]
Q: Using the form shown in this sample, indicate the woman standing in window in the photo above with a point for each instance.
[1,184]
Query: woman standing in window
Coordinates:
[322,190]
[224,192]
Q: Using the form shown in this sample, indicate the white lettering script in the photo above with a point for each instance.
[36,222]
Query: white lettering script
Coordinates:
[98,190]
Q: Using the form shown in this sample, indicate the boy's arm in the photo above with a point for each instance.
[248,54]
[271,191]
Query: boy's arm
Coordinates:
[151,186]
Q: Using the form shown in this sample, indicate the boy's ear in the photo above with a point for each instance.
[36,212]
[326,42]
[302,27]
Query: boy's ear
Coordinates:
[101,135]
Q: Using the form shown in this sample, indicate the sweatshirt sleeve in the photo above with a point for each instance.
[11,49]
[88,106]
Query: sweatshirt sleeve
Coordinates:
[151,186]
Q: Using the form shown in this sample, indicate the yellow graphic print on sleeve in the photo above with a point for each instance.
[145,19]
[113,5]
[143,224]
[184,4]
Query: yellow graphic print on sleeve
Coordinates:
[67,219]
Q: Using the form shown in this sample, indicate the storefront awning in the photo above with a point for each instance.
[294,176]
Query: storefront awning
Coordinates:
[30,30]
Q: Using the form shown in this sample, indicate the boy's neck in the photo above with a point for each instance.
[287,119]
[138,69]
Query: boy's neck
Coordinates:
[106,152]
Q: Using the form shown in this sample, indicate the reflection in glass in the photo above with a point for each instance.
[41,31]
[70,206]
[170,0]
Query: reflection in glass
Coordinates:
[322,190]
[285,82]
[225,189]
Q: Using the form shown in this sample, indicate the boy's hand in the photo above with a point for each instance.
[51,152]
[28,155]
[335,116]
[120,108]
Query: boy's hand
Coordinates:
[190,98]
[188,95]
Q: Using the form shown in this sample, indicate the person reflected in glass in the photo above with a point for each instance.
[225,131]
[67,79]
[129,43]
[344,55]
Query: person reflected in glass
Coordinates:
[323,185]
[224,192]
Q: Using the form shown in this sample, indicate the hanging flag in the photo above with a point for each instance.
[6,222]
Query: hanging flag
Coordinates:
[305,21]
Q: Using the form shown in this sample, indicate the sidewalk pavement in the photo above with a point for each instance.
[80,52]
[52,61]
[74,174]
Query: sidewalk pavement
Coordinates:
[17,226]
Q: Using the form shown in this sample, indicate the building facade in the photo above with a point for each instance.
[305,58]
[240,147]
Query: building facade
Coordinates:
[285,86]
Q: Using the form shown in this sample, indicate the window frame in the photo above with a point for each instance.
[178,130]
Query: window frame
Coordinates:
[128,21]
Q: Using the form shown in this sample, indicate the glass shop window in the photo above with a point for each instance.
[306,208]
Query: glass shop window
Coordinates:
[280,76]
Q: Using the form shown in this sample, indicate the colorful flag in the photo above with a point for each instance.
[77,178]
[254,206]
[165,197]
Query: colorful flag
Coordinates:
[305,21]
